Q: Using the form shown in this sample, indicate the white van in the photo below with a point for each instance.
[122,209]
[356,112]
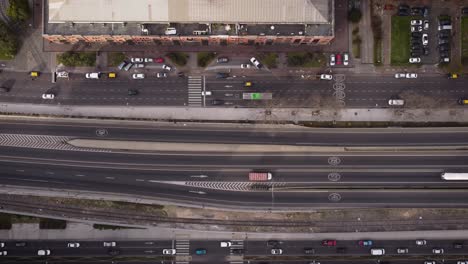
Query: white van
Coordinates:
[445,27]
[396,102]
[377,251]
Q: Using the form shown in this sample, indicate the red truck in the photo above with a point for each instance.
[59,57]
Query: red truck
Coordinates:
[260,176]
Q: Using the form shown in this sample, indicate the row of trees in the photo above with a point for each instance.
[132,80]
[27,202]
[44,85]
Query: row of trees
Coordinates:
[18,11]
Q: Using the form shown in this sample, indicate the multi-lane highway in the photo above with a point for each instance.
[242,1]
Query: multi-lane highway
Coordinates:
[37,154]
[291,91]
[234,251]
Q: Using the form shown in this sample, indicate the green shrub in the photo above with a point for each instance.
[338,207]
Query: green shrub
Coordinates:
[115,58]
[109,227]
[45,223]
[270,59]
[354,15]
[81,59]
[179,58]
[8,43]
[5,221]
[204,58]
[306,59]
[18,10]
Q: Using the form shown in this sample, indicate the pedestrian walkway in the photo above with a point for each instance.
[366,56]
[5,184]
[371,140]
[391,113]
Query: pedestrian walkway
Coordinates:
[194,91]
[182,247]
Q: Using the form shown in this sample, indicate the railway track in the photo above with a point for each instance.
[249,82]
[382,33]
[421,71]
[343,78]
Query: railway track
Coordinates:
[61,211]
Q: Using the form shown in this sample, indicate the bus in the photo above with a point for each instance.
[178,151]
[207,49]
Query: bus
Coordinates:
[450,176]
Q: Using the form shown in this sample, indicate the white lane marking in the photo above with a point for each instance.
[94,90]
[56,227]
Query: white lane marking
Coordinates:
[110,178]
[79,175]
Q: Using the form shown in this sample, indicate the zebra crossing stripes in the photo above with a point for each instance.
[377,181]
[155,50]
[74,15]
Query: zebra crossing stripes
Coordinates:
[41,142]
[182,247]
[194,90]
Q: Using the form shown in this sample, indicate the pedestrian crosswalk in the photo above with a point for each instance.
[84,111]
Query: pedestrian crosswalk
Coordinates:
[182,247]
[195,84]
[236,252]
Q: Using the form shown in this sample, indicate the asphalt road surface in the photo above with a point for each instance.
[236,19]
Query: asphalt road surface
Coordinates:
[293,91]
[240,251]
[239,134]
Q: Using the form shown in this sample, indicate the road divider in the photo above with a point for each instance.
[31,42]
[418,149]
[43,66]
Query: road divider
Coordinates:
[245,148]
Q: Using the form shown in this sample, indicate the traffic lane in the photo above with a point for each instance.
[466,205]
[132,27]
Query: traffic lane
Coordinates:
[245,134]
[321,176]
[258,161]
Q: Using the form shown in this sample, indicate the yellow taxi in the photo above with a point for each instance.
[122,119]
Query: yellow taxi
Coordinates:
[453,76]
[34,74]
[463,101]
[247,84]
[112,75]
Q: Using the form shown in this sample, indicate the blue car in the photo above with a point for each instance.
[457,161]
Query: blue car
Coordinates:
[200,251]
[365,243]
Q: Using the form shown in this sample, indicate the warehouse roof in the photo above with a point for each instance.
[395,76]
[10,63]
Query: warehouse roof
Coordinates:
[190,11]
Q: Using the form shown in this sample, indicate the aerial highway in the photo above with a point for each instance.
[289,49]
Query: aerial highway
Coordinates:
[288,91]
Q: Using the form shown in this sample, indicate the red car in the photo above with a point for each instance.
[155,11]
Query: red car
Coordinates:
[339,59]
[328,243]
[159,60]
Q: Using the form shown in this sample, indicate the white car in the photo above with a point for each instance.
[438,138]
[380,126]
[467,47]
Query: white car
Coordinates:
[139,65]
[438,251]
[462,262]
[276,251]
[166,67]
[327,77]
[43,252]
[93,75]
[245,66]
[402,251]
[425,39]
[208,93]
[414,60]
[73,245]
[416,22]
[3,253]
[109,244]
[48,96]
[255,62]
[411,75]
[2,244]
[224,244]
[148,59]
[429,262]
[421,242]
[136,60]
[426,24]
[416,28]
[161,75]
[400,75]
[345,59]
[169,251]
[138,76]
[332,60]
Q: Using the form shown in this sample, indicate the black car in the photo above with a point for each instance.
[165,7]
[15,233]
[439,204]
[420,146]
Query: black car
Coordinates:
[403,7]
[309,251]
[222,75]
[416,34]
[415,54]
[272,243]
[403,12]
[4,90]
[444,41]
[445,22]
[113,252]
[341,250]
[464,11]
[426,51]
[237,251]
[222,60]
[444,47]
[416,41]
[416,47]
[132,92]
[426,11]
[21,244]
[458,245]
[417,11]
[444,54]
[217,102]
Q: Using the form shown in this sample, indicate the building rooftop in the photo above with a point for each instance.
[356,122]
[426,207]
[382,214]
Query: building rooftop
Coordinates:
[191,11]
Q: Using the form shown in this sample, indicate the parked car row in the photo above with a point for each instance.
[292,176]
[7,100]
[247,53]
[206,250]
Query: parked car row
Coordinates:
[339,59]
[405,10]
[419,39]
[444,34]
[138,63]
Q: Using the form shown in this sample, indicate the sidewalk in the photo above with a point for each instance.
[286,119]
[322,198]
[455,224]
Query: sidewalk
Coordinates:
[80,231]
[273,115]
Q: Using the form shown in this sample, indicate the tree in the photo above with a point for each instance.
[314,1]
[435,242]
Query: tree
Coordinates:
[354,15]
[8,42]
[18,10]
